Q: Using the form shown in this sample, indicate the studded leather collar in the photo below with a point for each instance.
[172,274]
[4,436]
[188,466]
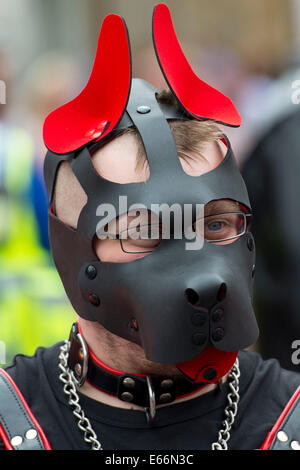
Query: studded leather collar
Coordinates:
[139,389]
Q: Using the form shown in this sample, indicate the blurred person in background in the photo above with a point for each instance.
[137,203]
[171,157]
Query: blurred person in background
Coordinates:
[48,82]
[271,172]
[28,281]
[271,169]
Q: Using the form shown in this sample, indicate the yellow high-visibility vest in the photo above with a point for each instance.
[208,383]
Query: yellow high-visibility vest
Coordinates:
[34,310]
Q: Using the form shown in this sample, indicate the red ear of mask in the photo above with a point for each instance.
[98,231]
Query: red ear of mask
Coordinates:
[201,369]
[199,99]
[101,104]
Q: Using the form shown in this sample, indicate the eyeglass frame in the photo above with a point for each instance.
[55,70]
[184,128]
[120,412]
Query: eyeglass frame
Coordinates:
[116,236]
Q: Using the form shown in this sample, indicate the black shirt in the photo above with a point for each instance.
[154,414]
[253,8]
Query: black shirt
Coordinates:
[265,389]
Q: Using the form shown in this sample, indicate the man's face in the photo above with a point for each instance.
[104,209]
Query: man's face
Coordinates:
[117,162]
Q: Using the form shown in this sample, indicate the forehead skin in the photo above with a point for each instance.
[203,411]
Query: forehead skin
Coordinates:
[116,161]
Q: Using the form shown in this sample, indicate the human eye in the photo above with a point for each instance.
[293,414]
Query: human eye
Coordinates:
[215,225]
[221,227]
[218,227]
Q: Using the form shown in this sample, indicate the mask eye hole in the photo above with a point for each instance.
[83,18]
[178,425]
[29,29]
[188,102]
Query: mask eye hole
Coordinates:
[204,159]
[224,221]
[69,197]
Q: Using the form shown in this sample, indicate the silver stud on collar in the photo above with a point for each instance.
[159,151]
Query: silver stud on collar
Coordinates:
[165,397]
[128,382]
[166,384]
[126,396]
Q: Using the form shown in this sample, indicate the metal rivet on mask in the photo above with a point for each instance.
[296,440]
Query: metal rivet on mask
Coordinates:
[209,374]
[282,436]
[250,243]
[198,318]
[165,397]
[134,324]
[128,382]
[94,299]
[91,272]
[143,109]
[217,315]
[126,396]
[199,338]
[253,270]
[166,383]
[218,334]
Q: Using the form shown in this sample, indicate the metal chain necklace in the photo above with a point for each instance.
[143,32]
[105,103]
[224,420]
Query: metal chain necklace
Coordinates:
[231,409]
[89,434]
[70,390]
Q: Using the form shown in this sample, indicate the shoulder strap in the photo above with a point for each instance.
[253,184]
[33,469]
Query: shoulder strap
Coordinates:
[19,429]
[285,434]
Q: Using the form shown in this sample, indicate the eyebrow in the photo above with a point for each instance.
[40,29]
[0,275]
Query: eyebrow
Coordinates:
[221,206]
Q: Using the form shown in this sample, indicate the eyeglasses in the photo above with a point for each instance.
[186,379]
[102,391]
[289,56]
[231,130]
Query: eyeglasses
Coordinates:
[214,228]
[222,227]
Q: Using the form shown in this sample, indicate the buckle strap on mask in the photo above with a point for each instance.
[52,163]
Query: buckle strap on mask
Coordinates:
[140,389]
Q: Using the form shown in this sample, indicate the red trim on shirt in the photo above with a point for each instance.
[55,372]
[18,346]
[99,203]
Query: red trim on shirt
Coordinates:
[35,422]
[5,439]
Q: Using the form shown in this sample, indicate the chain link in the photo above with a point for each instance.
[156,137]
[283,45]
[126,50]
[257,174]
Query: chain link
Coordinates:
[90,436]
[231,409]
[70,389]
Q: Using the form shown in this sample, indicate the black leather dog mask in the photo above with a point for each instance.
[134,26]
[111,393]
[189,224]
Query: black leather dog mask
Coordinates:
[146,301]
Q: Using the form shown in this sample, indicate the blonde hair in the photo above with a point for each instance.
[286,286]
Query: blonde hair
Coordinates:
[189,135]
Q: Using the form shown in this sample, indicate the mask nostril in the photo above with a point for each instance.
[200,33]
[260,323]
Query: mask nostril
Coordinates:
[191,296]
[221,292]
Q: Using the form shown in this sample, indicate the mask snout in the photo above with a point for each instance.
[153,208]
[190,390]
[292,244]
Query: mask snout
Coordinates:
[206,291]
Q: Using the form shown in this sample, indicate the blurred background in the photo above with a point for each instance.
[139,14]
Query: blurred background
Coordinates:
[249,50]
